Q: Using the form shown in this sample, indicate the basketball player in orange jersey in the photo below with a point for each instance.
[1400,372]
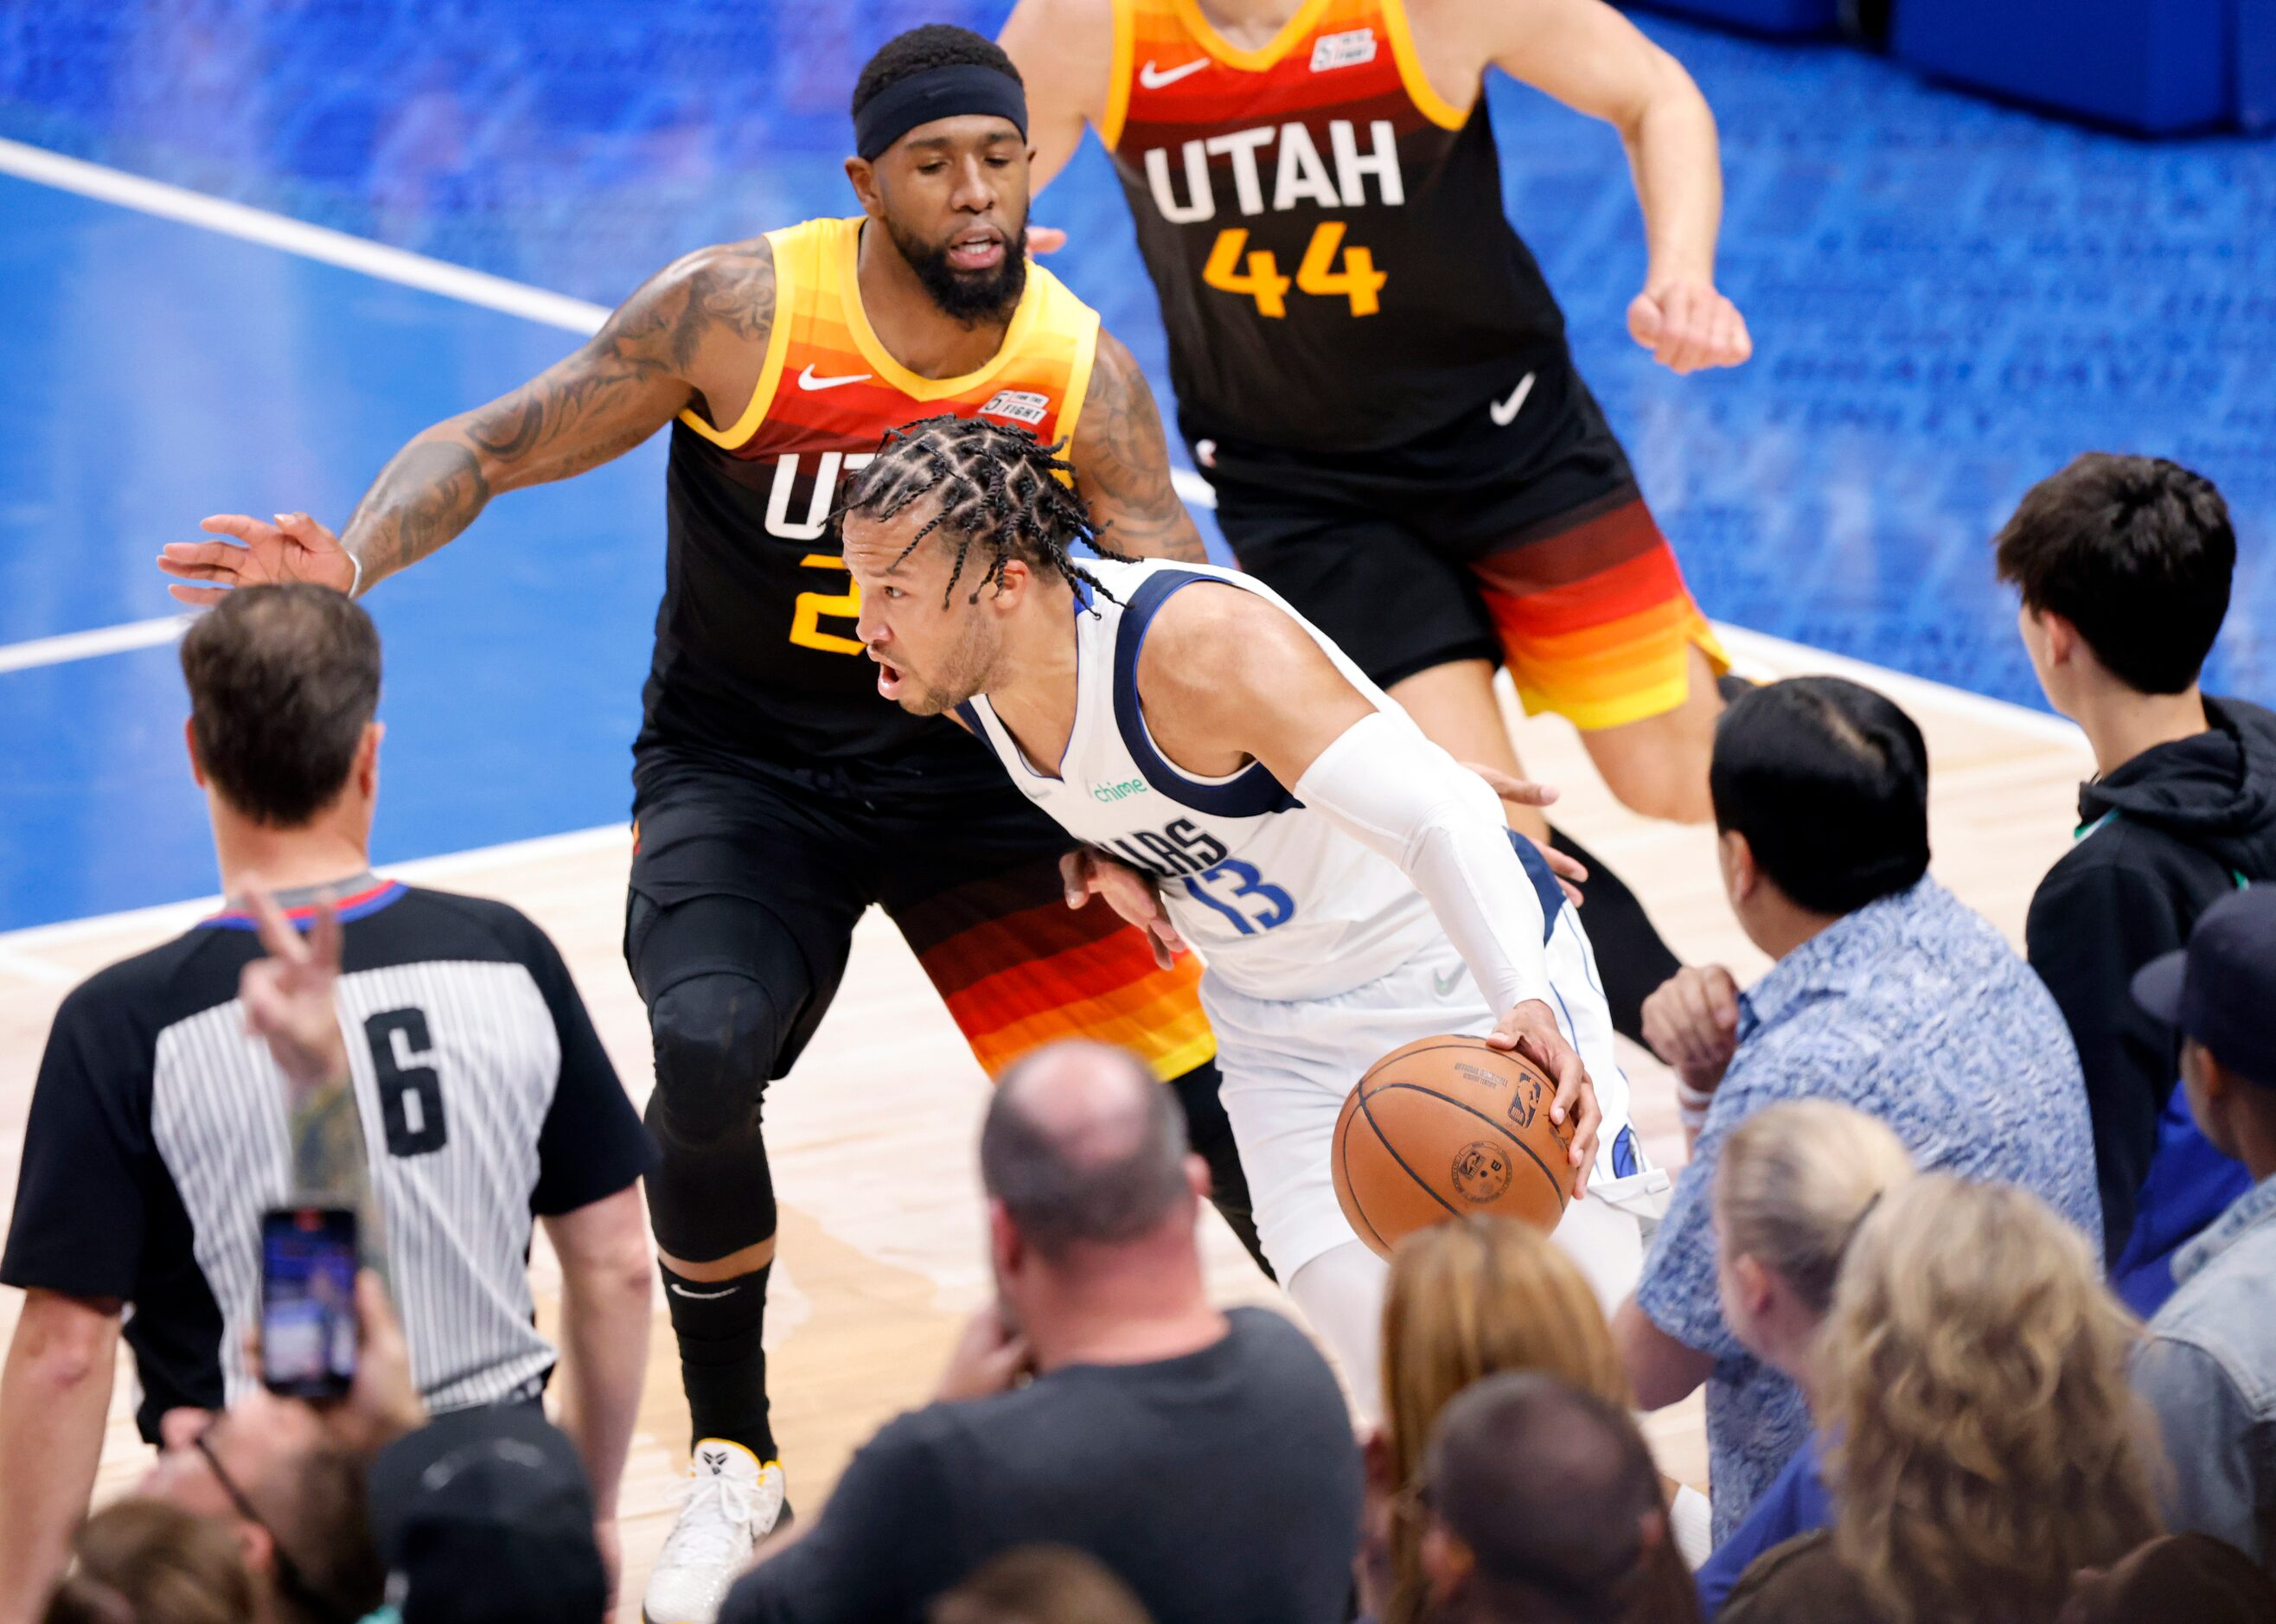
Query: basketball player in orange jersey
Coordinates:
[777,795]
[1373,372]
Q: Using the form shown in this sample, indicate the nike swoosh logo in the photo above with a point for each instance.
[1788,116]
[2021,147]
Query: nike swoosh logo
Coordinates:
[1504,412]
[807,380]
[1154,78]
[704,1296]
[1446,983]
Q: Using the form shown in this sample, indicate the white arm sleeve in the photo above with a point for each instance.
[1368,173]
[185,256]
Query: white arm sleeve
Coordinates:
[1394,791]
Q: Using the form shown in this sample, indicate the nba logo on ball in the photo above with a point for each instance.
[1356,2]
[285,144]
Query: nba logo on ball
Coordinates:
[1481,1173]
[1446,1128]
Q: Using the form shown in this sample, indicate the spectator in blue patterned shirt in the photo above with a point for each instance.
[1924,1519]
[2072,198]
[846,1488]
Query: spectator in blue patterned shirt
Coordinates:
[1889,995]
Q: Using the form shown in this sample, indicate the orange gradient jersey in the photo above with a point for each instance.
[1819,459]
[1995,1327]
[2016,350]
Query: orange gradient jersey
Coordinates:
[1326,230]
[756,645]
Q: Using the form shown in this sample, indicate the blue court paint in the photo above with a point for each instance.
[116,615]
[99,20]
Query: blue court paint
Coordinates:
[1948,298]
[206,374]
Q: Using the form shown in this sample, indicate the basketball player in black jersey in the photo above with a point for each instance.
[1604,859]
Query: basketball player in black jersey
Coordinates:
[777,795]
[1373,372]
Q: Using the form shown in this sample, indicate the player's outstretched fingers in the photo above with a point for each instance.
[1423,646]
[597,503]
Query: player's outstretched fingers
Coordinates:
[1510,787]
[274,929]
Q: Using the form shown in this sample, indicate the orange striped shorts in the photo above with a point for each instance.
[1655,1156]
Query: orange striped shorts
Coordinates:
[1594,619]
[1018,969]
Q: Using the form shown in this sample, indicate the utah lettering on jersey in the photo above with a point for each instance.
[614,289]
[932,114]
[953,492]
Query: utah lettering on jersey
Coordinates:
[821,480]
[1300,175]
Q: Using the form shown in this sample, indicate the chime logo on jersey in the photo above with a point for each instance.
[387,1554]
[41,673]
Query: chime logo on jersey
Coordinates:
[822,494]
[1300,174]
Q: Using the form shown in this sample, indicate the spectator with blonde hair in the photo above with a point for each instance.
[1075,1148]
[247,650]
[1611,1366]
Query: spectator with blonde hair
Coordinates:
[1469,1299]
[1985,1446]
[1795,1183]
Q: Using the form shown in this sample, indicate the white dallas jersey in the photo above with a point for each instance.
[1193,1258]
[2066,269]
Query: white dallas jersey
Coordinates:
[1281,904]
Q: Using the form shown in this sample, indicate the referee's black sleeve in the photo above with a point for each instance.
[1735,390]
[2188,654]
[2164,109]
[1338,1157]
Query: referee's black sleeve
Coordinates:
[593,1143]
[80,1195]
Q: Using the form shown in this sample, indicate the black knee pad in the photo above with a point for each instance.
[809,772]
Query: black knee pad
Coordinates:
[717,1036]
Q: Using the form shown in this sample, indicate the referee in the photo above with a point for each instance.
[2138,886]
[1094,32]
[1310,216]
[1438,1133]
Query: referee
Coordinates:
[161,1127]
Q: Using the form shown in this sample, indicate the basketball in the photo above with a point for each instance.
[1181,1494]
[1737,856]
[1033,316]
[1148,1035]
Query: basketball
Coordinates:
[1446,1126]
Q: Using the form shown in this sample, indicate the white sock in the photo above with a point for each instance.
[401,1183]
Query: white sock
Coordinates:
[1340,1293]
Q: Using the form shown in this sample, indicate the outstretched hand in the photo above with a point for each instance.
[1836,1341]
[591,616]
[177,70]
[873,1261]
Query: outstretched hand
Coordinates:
[1571,872]
[1531,1029]
[296,548]
[288,995]
[1133,895]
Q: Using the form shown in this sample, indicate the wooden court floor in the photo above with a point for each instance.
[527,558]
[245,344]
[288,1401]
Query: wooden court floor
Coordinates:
[873,1136]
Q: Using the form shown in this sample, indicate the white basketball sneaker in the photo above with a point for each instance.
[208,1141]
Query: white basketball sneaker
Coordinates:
[731,1502]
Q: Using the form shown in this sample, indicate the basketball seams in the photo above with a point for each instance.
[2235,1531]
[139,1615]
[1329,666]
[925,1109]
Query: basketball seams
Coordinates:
[1417,1087]
[1383,1140]
[1345,1185]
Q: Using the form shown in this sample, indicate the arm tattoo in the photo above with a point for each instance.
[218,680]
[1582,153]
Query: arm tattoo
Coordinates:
[629,380]
[1122,464]
[330,1167]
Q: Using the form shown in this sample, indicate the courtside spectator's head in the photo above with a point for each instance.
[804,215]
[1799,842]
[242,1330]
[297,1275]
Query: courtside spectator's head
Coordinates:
[284,685]
[1040,1584]
[2124,566]
[1544,1508]
[940,139]
[1972,1377]
[2178,1576]
[1468,1299]
[1821,796]
[2220,993]
[293,1499]
[1093,1194]
[143,1561]
[1793,1185]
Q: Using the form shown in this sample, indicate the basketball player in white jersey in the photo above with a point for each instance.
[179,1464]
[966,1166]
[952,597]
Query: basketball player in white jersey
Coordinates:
[1350,887]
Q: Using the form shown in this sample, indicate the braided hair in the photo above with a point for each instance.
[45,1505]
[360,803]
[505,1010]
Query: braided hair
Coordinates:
[998,486]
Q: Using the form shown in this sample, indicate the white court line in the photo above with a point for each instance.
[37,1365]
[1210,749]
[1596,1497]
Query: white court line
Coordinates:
[310,242]
[87,645]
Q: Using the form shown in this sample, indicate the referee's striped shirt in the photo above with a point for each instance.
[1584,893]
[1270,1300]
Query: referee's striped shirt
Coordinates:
[157,1137]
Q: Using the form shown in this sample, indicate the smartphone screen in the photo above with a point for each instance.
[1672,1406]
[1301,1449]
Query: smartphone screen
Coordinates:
[307,1300]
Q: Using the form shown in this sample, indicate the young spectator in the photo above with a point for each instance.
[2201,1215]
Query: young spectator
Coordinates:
[1986,1446]
[2123,563]
[2209,1366]
[1888,995]
[1792,1186]
[1205,1458]
[146,1562]
[1468,1299]
[2175,1579]
[468,1093]
[1544,1508]
[1040,1584]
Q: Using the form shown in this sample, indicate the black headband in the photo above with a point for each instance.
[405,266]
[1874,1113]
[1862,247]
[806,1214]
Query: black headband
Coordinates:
[937,92]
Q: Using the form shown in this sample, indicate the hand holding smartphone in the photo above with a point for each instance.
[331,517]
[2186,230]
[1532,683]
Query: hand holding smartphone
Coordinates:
[309,1325]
